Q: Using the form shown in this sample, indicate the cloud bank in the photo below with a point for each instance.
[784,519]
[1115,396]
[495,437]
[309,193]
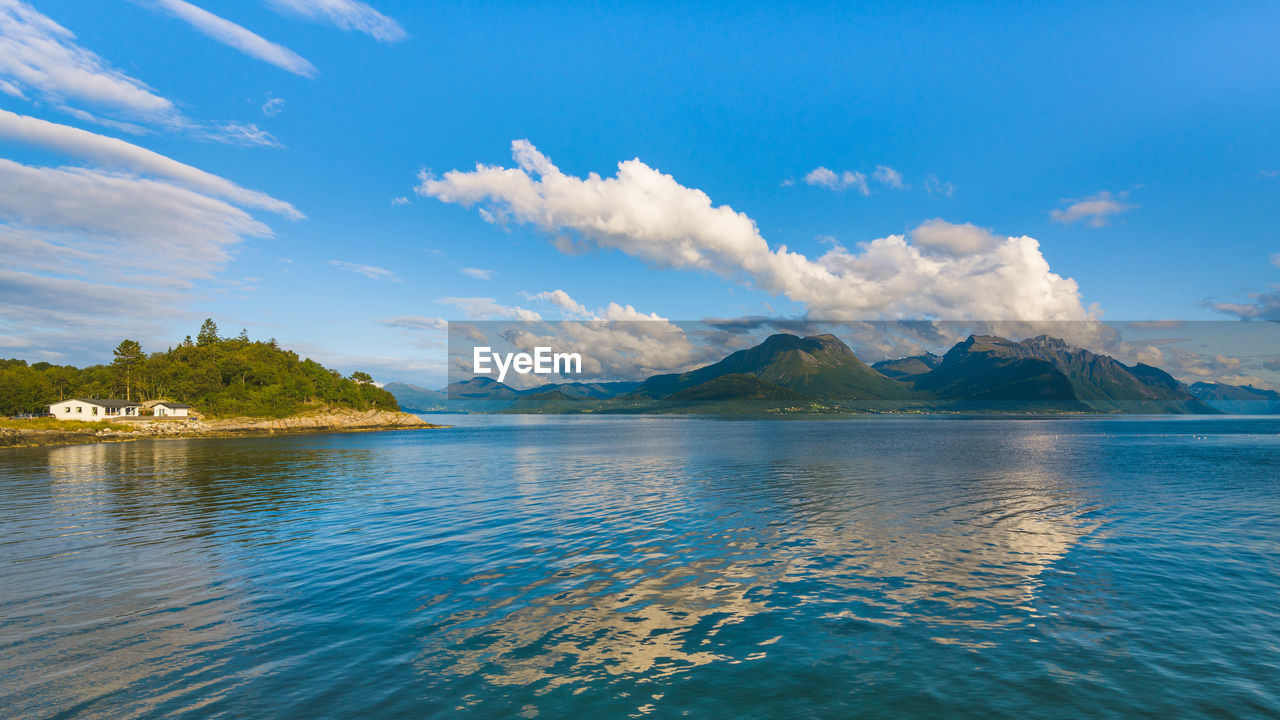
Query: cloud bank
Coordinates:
[95,254]
[938,270]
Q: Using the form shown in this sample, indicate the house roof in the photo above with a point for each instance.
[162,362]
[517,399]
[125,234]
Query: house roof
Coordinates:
[107,402]
[173,405]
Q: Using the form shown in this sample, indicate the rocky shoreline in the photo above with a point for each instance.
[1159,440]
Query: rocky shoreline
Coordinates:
[148,428]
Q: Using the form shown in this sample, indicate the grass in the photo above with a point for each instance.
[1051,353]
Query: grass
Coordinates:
[56,424]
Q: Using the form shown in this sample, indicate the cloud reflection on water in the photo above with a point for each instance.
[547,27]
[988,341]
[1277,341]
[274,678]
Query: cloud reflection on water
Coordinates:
[867,534]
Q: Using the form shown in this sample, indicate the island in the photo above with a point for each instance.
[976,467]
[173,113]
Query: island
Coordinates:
[212,386]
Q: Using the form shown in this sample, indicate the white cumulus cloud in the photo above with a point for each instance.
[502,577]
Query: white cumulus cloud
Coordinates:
[831,180]
[560,299]
[944,273]
[888,176]
[616,341]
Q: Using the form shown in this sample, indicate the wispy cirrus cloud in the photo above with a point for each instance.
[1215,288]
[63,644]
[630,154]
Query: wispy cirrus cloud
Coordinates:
[478,273]
[415,322]
[1261,306]
[236,36]
[41,59]
[1095,211]
[934,186]
[373,272]
[118,154]
[483,308]
[937,270]
[345,14]
[40,55]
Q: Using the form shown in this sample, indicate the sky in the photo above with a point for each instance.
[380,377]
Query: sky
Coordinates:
[347,176]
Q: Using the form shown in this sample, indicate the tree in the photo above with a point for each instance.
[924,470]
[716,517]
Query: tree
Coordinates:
[208,334]
[128,355]
[363,378]
[244,335]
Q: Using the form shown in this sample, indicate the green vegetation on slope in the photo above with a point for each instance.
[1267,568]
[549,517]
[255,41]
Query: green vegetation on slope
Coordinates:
[820,367]
[219,376]
[820,374]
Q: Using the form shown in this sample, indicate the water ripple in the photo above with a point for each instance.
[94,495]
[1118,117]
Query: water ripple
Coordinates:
[624,567]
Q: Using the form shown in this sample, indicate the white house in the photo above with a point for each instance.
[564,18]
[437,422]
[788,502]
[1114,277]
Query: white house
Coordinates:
[93,409]
[170,409]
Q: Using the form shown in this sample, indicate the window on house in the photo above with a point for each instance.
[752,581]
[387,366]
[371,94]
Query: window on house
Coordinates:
[66,409]
[95,411]
[79,408]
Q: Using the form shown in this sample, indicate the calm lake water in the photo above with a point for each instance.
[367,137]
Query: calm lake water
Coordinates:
[595,567]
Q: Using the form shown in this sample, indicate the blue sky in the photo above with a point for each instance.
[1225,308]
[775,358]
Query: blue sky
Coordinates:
[1136,144]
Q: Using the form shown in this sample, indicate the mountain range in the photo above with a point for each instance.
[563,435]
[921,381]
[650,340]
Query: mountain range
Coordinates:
[792,374]
[1238,399]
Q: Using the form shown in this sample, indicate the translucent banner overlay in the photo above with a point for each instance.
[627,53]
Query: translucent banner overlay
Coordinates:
[764,365]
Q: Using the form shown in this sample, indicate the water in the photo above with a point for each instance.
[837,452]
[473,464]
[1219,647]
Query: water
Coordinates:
[671,567]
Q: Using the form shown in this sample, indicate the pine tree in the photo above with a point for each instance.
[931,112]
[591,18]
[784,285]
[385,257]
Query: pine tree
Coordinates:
[208,334]
[128,354]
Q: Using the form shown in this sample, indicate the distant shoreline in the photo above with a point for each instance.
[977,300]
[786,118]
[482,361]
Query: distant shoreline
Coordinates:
[333,420]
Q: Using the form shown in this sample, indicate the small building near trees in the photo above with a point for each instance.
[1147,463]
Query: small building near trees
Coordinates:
[93,409]
[165,408]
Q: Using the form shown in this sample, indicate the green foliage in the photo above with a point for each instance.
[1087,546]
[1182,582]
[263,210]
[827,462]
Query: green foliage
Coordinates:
[128,355]
[48,423]
[219,377]
[208,334]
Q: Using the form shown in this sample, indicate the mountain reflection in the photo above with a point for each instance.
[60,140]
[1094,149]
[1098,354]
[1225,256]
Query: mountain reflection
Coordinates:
[927,534]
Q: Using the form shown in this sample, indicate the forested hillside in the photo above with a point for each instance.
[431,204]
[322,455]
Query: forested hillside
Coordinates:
[219,376]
